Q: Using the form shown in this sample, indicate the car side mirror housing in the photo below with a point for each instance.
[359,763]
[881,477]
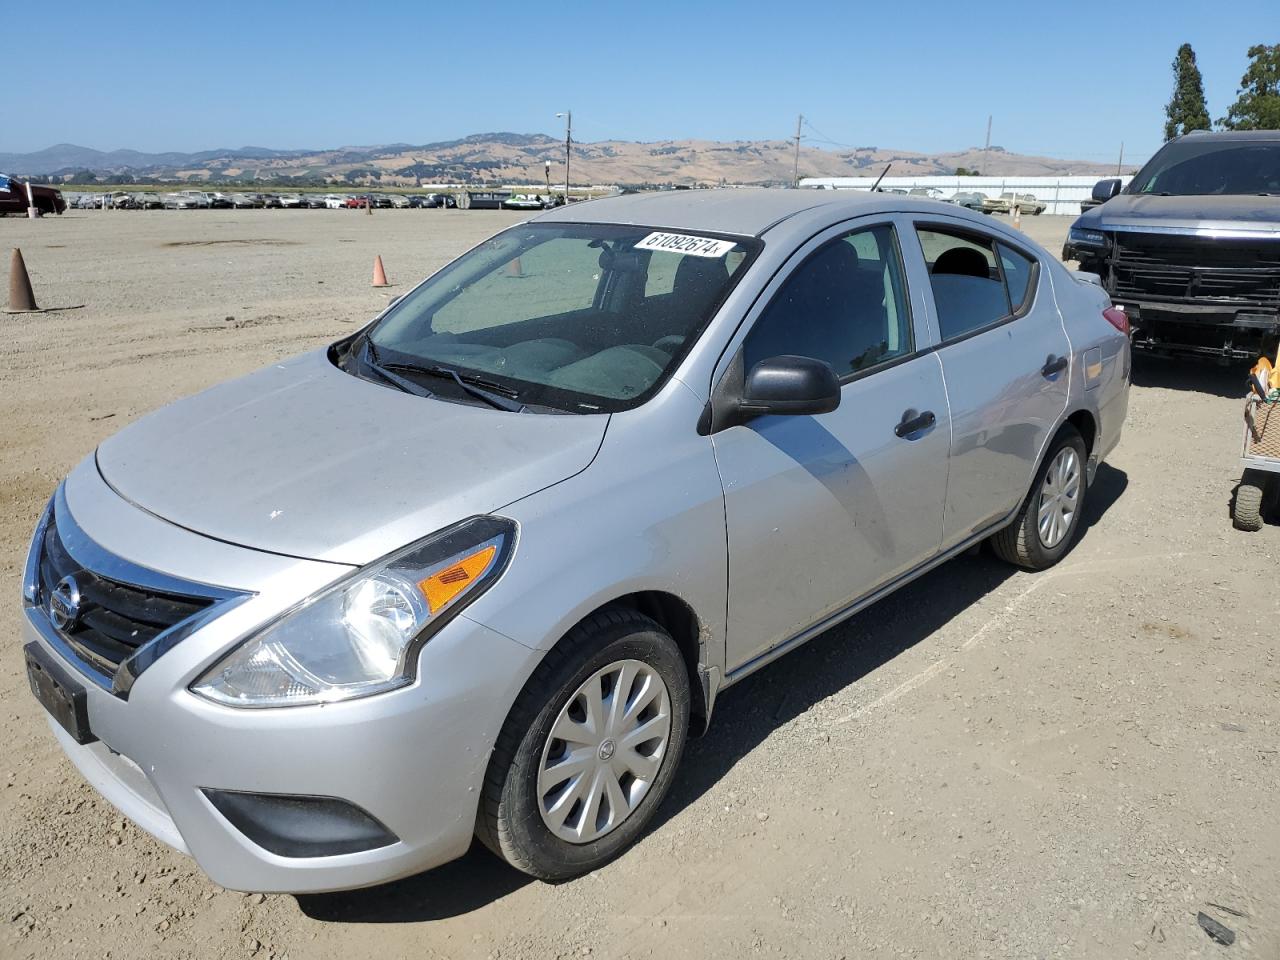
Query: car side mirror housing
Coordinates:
[790,386]
[1104,190]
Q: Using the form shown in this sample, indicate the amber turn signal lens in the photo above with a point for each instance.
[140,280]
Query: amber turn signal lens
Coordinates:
[443,585]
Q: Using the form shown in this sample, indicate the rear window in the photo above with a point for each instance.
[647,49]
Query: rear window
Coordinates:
[977,281]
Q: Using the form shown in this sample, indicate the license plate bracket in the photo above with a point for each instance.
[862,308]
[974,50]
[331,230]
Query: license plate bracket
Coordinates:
[59,693]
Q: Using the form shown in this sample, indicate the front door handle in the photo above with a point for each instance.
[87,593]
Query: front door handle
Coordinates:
[1054,366]
[913,422]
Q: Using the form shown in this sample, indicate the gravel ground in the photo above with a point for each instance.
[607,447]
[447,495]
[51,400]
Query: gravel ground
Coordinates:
[987,764]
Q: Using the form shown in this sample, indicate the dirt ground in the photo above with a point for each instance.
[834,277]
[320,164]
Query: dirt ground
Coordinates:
[988,764]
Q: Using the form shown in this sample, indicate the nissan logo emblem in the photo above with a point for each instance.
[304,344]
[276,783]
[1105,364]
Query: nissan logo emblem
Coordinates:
[64,603]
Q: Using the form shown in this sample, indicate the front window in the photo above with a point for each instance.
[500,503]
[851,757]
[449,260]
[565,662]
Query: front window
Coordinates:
[1212,168]
[578,317]
[846,305]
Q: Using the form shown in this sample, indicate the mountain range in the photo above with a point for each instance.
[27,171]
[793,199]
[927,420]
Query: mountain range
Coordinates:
[521,158]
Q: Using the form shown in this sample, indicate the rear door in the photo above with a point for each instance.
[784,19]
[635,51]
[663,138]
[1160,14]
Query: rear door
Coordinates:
[1005,359]
[821,510]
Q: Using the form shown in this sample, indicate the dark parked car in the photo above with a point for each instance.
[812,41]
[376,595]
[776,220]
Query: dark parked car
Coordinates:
[13,197]
[1191,248]
[433,201]
[970,200]
[482,199]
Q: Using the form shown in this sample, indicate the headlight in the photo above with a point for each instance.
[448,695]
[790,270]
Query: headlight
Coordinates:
[362,635]
[1087,238]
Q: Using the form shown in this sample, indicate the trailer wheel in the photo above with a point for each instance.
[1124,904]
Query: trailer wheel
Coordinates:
[1246,511]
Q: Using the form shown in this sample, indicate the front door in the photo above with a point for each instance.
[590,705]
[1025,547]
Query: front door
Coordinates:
[821,510]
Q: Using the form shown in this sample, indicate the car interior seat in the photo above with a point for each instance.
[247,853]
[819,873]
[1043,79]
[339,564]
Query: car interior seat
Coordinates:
[965,293]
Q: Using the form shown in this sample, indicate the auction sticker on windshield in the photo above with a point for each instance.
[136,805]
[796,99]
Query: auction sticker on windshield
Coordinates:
[686,244]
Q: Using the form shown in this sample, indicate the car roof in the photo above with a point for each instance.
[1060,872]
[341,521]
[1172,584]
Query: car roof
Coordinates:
[1215,135]
[749,212]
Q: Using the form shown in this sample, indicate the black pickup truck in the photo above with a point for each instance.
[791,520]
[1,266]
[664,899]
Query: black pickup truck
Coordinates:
[1191,248]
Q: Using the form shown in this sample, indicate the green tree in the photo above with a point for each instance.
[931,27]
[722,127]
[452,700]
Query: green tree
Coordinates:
[1257,105]
[1186,110]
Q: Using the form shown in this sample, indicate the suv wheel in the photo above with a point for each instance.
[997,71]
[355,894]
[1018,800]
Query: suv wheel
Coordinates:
[589,749]
[1042,532]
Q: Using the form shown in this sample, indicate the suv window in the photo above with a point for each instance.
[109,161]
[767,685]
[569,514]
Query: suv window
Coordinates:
[1204,166]
[845,304]
[969,283]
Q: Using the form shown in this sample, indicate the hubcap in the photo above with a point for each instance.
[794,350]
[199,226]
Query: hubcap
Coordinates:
[604,751]
[1059,497]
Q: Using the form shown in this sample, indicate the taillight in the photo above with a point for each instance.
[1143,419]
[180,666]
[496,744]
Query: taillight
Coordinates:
[1117,318]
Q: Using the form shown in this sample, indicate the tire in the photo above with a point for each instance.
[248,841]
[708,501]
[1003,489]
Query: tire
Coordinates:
[511,821]
[1022,542]
[1246,512]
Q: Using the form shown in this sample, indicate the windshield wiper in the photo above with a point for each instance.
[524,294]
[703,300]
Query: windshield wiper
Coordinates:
[475,386]
[370,359]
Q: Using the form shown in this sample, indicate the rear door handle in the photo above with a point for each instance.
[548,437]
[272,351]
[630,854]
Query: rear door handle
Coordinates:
[1054,366]
[913,422]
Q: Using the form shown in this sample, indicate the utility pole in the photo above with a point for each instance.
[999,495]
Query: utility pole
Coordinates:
[986,148]
[1120,162]
[795,173]
[568,146]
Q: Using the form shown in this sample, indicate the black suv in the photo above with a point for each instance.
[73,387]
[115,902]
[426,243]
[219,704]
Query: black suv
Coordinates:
[1191,248]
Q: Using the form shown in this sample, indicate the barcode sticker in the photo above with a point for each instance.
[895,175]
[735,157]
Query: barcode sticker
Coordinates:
[686,244]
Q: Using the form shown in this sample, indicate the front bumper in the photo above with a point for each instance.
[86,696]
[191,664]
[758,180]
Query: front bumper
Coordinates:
[414,758]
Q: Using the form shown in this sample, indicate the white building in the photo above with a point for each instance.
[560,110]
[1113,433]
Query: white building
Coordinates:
[1061,194]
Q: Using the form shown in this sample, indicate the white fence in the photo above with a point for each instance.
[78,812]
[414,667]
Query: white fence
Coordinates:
[1060,194]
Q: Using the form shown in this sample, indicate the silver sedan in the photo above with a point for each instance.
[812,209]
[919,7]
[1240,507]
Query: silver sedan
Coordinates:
[482,567]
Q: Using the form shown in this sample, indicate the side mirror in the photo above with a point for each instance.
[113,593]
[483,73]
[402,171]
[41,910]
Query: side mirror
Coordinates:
[790,385]
[1104,190]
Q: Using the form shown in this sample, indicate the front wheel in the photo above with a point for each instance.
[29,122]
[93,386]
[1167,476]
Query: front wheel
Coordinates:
[589,749]
[1042,532]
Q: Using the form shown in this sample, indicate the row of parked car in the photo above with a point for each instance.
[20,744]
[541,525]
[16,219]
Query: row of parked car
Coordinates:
[201,200]
[973,200]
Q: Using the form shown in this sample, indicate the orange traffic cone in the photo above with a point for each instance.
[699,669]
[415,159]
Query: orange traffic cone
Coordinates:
[515,268]
[21,297]
[379,275]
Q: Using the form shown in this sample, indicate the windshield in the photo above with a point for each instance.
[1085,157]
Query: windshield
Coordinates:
[1207,168]
[579,317]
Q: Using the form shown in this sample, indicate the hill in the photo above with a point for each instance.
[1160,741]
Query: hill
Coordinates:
[520,158]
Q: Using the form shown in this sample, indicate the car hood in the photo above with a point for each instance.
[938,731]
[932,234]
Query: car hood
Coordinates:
[305,460]
[1222,216]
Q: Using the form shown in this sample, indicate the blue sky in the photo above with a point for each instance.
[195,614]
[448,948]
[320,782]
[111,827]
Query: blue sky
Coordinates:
[1068,80]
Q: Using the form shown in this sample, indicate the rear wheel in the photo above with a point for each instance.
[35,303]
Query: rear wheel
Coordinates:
[590,748]
[1042,532]
[1246,512]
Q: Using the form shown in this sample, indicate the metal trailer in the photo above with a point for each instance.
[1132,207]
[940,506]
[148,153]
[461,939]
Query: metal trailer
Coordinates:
[1260,458]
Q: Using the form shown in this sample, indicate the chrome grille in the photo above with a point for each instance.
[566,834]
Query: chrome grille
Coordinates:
[114,619]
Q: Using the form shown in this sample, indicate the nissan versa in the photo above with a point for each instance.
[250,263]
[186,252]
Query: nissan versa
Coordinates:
[482,567]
